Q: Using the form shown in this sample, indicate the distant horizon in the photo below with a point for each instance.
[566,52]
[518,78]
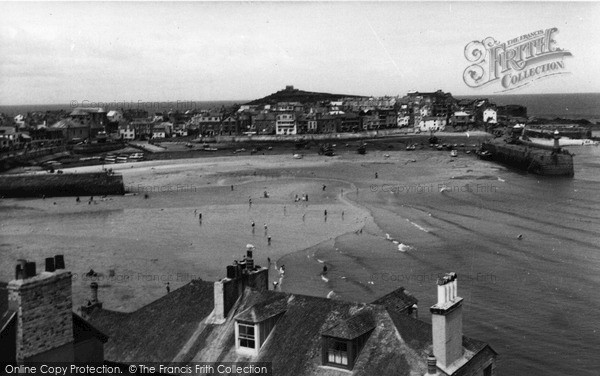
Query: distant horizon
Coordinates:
[242,101]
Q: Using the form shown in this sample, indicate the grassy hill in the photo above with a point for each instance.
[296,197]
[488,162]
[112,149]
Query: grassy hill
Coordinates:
[289,94]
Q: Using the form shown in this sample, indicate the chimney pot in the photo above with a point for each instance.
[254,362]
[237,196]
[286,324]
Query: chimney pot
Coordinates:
[50,264]
[431,365]
[59,262]
[231,271]
[94,288]
[29,270]
[19,272]
[22,262]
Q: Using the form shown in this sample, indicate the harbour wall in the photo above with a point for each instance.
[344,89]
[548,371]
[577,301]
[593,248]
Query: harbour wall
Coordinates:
[55,184]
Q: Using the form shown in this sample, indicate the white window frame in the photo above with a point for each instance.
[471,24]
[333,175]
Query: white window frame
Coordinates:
[244,337]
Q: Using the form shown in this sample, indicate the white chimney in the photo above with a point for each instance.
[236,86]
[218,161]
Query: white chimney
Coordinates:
[446,321]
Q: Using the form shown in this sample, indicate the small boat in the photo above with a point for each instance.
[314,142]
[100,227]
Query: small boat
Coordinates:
[484,154]
[298,156]
[327,150]
[454,153]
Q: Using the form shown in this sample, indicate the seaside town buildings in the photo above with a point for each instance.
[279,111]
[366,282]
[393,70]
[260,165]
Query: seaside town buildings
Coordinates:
[284,113]
[238,319]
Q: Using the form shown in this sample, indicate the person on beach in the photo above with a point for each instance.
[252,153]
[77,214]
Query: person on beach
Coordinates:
[250,202]
[324,186]
[200,217]
[78,200]
[168,288]
[269,240]
[265,225]
[303,217]
[376,175]
[324,269]
[325,212]
[232,187]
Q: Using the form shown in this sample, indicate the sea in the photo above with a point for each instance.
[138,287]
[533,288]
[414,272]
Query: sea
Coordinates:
[551,106]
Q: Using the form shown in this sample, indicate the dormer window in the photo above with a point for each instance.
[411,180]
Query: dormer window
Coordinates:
[254,325]
[343,342]
[337,352]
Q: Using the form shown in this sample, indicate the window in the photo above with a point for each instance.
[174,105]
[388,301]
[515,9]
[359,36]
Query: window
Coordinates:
[246,336]
[487,371]
[337,352]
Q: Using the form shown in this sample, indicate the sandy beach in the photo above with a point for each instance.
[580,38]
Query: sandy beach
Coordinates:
[136,244]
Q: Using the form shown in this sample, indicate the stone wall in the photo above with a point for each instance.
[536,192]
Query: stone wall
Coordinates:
[45,317]
[53,184]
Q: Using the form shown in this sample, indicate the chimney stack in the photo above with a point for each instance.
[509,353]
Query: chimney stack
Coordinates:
[446,321]
[44,313]
[239,276]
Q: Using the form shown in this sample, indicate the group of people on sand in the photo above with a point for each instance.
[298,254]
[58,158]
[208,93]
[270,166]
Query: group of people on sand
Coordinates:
[90,201]
[303,198]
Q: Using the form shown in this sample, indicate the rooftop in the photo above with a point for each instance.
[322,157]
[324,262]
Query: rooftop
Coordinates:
[178,327]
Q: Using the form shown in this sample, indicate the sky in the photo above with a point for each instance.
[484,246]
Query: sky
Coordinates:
[168,51]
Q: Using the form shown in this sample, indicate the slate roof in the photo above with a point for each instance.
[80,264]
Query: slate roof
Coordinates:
[353,327]
[159,330]
[81,111]
[178,327]
[68,123]
[398,300]
[266,310]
